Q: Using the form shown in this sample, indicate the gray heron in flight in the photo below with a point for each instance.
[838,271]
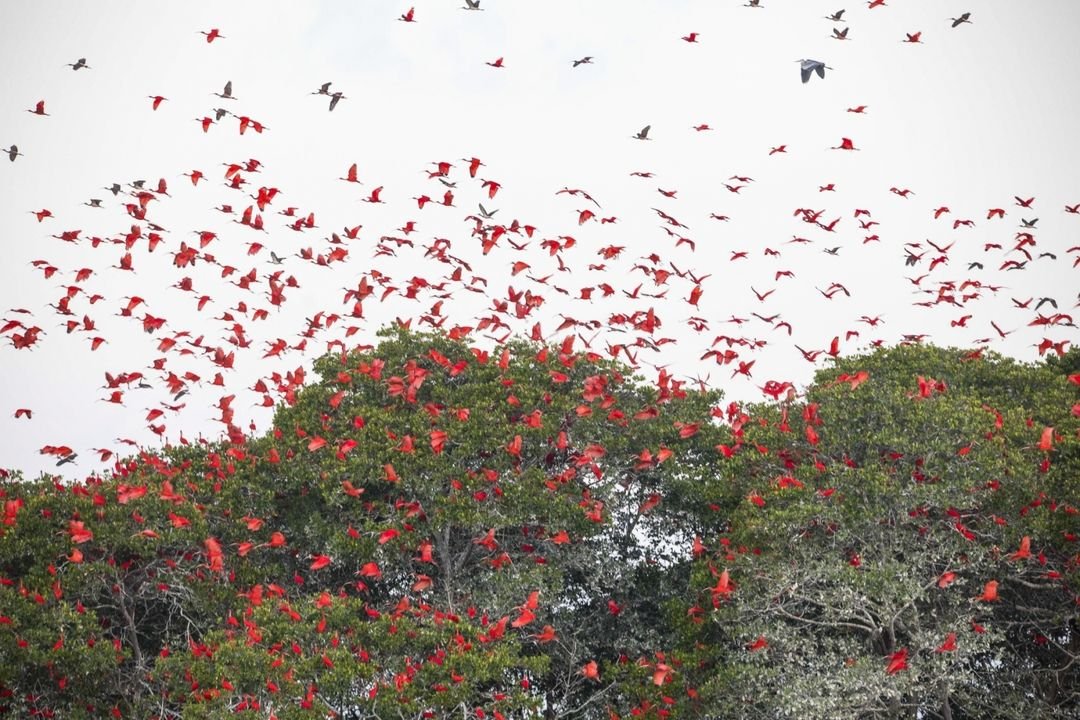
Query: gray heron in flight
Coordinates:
[809,67]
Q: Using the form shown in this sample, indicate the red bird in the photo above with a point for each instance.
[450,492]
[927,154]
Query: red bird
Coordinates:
[409,16]
[497,64]
[897,662]
[691,38]
[845,144]
[213,35]
[39,109]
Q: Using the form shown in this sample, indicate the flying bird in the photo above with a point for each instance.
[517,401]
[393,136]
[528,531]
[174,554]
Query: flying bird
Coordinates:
[587,60]
[13,152]
[79,64]
[809,67]
[643,134]
[213,35]
[226,93]
[958,21]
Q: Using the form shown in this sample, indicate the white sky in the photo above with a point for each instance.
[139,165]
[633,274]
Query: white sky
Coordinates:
[967,119]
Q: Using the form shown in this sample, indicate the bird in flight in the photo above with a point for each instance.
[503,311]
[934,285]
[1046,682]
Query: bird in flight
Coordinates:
[837,16]
[79,64]
[226,93]
[211,36]
[13,152]
[587,60]
[809,67]
[958,21]
[471,5]
[643,134]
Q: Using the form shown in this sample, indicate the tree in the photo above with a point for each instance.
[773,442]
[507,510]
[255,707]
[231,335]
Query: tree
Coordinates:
[432,530]
[429,530]
[913,535]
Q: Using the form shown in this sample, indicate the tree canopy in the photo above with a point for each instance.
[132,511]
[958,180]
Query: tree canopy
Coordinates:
[433,530]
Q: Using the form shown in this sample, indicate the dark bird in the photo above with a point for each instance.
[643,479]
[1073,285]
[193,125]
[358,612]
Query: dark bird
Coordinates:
[324,89]
[587,60]
[809,67]
[13,152]
[837,16]
[79,64]
[643,134]
[335,98]
[226,93]
[965,18]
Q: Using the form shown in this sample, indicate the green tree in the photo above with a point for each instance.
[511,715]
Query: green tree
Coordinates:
[906,547]
[429,530]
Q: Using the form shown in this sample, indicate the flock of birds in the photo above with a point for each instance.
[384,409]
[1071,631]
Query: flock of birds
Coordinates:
[241,275]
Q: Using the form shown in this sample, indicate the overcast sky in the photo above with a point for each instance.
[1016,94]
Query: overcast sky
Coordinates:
[968,119]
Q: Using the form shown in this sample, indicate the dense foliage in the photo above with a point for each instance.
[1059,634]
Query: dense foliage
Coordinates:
[436,531]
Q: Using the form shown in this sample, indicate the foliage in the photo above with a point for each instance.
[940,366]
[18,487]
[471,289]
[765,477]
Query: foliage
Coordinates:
[434,531]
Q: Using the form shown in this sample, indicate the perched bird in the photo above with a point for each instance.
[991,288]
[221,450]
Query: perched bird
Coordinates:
[809,67]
